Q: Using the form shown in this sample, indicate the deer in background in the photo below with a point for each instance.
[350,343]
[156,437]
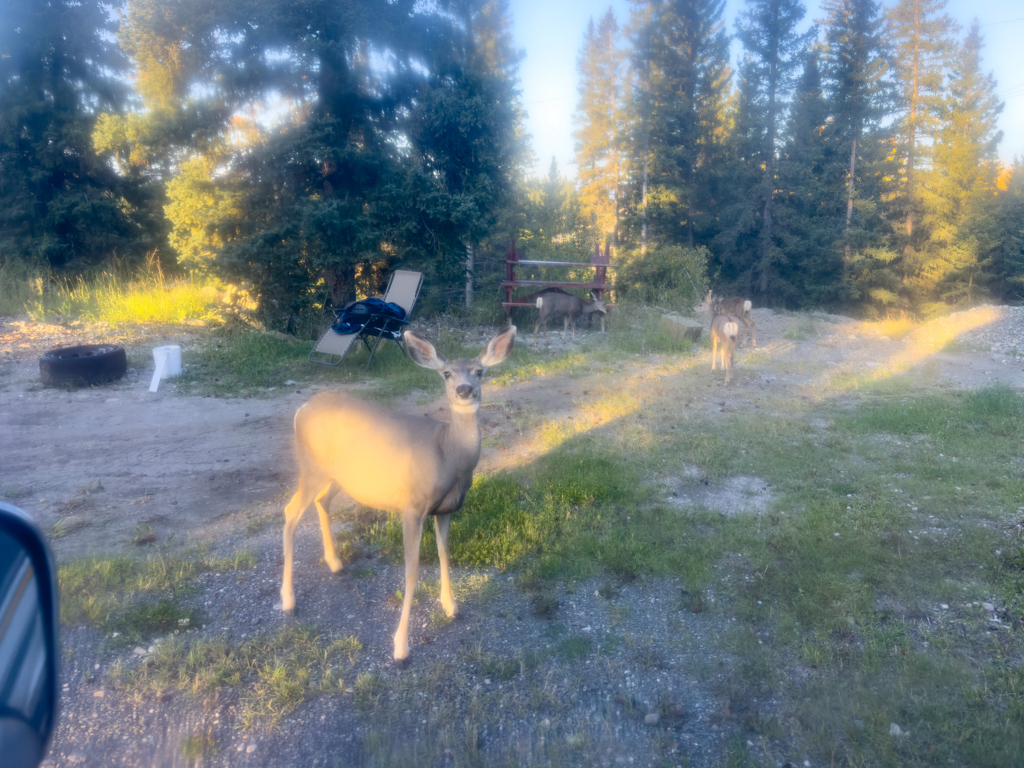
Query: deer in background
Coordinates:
[554,304]
[723,331]
[739,308]
[413,466]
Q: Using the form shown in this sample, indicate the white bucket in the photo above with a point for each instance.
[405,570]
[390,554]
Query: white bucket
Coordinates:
[168,363]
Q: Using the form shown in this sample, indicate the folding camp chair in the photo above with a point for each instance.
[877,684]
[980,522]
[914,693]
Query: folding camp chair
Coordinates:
[403,289]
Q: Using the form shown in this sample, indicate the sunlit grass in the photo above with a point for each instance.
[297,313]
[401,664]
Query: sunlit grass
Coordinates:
[119,301]
[917,347]
[896,327]
[118,296]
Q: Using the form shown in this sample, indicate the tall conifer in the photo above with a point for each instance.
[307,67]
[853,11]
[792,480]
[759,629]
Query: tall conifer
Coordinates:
[860,100]
[966,168]
[768,31]
[683,56]
[59,203]
[919,33]
[599,126]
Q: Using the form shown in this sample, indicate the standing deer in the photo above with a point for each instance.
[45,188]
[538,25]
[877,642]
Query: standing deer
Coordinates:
[568,305]
[413,466]
[739,308]
[723,331]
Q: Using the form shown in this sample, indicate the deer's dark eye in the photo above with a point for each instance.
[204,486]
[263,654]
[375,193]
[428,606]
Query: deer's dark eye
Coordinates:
[479,373]
[447,375]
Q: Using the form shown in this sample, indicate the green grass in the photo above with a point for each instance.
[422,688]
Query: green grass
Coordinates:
[636,329]
[196,749]
[137,598]
[246,363]
[897,507]
[271,673]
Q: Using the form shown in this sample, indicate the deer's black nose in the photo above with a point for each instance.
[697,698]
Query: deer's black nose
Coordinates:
[464,390]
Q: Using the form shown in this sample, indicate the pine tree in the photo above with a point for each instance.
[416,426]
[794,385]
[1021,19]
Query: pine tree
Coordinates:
[467,145]
[811,184]
[768,30]
[919,33]
[736,245]
[860,100]
[681,59]
[59,203]
[963,184]
[1001,268]
[598,152]
[368,166]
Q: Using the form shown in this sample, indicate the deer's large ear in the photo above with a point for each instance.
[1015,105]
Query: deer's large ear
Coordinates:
[423,353]
[498,348]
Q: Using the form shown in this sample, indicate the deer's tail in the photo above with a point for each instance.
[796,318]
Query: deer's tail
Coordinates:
[540,302]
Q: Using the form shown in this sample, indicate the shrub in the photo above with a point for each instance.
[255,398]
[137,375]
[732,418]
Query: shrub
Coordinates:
[668,275]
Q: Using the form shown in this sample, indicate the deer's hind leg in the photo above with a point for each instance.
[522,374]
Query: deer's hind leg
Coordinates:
[541,321]
[441,523]
[292,514]
[323,503]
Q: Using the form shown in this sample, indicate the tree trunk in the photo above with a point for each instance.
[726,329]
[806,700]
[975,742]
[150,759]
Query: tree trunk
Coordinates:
[913,134]
[647,153]
[849,207]
[769,175]
[469,275]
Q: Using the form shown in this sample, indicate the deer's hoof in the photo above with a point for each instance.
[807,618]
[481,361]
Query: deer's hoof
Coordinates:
[334,566]
[402,663]
[289,612]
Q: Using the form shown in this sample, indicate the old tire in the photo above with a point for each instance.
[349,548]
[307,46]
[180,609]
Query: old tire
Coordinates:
[82,366]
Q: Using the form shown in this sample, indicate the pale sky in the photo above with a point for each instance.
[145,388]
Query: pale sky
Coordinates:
[551,33]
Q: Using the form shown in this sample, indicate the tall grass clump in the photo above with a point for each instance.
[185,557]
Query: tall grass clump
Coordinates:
[18,280]
[119,299]
[896,327]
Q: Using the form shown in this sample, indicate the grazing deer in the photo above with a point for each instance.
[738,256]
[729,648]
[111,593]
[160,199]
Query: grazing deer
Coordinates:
[410,465]
[739,308]
[568,305]
[723,331]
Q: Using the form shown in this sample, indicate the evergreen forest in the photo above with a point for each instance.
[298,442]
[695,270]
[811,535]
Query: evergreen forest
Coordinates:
[303,150]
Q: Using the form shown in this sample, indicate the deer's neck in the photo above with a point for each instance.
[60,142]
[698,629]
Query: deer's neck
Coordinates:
[462,442]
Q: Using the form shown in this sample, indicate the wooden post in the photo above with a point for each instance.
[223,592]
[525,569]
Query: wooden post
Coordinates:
[600,263]
[510,272]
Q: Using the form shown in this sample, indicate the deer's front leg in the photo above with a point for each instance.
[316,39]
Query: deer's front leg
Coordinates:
[412,533]
[441,523]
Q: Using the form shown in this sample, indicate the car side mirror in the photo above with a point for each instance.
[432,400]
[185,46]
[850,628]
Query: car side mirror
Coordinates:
[28,641]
